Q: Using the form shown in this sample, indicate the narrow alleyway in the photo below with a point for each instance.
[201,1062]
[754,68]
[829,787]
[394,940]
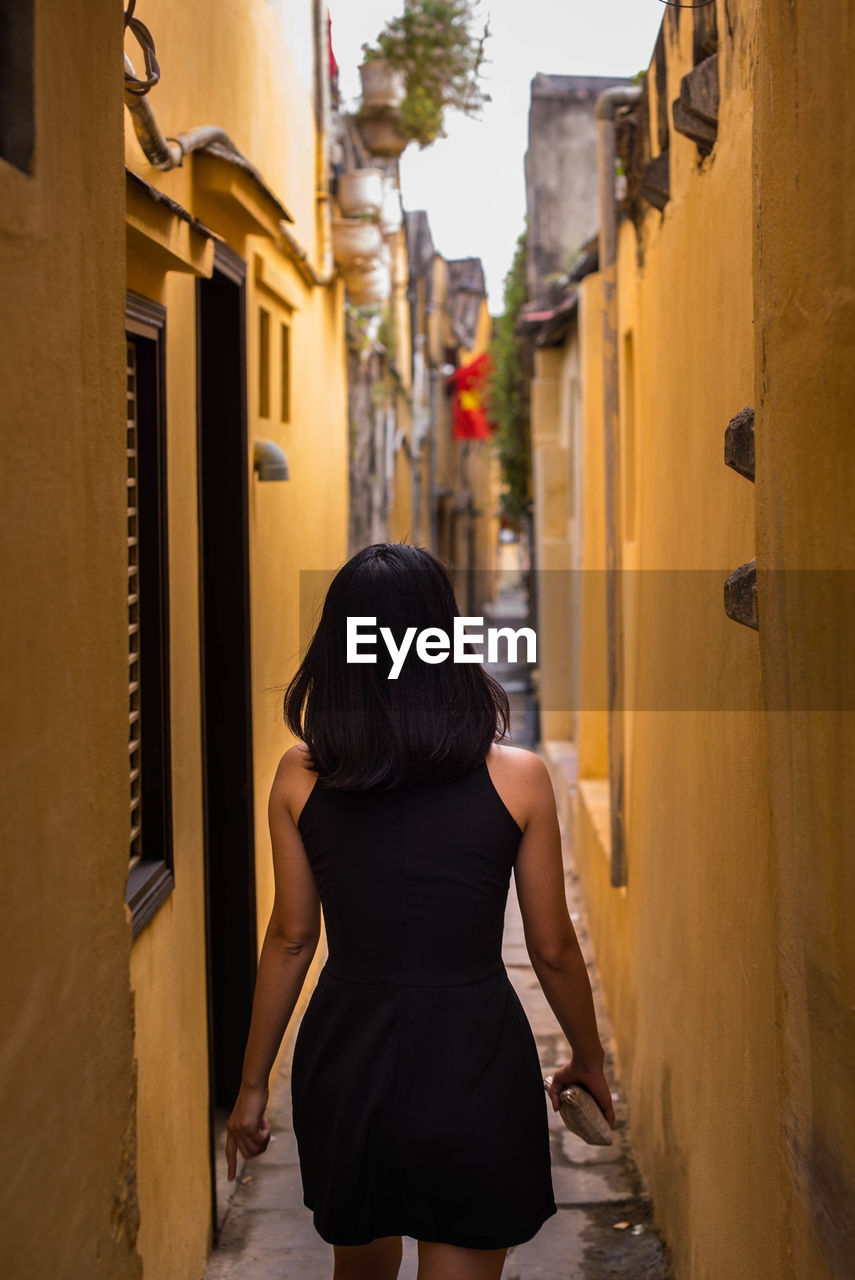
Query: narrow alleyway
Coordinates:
[603,1228]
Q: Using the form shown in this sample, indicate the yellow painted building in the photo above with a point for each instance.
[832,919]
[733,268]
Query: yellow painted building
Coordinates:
[464,475]
[425,486]
[721,932]
[174,345]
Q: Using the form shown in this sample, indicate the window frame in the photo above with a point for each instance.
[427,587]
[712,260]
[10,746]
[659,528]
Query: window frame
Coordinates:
[285,367]
[152,879]
[264,335]
[18,86]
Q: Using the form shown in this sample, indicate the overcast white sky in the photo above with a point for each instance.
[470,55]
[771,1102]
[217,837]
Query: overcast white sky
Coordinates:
[471,183]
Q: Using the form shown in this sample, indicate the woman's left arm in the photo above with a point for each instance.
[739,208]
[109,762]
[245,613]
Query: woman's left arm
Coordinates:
[286,954]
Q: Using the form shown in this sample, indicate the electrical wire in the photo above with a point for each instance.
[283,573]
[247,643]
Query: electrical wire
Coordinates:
[145,40]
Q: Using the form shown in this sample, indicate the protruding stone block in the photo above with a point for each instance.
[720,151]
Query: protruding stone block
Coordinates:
[739,443]
[692,126]
[699,90]
[740,595]
[655,185]
[695,112]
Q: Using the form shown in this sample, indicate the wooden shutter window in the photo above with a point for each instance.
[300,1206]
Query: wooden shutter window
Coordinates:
[133,615]
[263,363]
[150,876]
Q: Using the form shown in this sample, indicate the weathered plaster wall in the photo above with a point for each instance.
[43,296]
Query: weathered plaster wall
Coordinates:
[554,549]
[250,72]
[561,172]
[804,292]
[295,526]
[590,621]
[67,1010]
[168,957]
[687,949]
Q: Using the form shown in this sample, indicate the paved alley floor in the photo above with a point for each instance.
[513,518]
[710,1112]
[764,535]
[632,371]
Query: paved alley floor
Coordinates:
[602,1231]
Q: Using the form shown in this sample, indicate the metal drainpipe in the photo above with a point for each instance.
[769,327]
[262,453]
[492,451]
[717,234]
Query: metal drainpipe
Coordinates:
[607,104]
[168,153]
[164,153]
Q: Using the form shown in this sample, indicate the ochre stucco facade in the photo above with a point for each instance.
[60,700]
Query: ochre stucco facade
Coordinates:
[251,73]
[107,1033]
[67,1073]
[725,955]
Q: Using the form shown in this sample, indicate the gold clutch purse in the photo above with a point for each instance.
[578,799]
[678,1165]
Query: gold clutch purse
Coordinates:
[582,1114]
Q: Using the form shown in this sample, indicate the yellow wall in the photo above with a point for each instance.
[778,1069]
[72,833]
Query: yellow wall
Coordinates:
[401,505]
[804,285]
[590,622]
[67,1012]
[484,480]
[551,449]
[168,957]
[687,949]
[249,72]
[296,526]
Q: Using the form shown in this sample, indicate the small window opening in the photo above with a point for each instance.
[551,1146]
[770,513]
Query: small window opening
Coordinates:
[134,750]
[263,363]
[285,386]
[17,109]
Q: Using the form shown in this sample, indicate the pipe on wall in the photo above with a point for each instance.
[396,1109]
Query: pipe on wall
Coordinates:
[607,105]
[163,153]
[168,153]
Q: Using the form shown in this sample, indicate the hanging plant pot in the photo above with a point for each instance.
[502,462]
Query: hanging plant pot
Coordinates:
[368,285]
[355,240]
[381,134]
[382,85]
[360,191]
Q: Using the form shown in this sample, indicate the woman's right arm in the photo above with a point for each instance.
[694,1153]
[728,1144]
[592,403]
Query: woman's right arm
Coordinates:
[550,938]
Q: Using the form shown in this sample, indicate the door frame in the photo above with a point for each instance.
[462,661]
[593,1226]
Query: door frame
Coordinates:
[230,265]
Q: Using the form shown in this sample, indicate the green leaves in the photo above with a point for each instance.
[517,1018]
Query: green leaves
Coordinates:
[434,44]
[508,396]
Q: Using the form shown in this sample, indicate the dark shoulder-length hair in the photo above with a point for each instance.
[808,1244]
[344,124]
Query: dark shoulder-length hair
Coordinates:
[365,730]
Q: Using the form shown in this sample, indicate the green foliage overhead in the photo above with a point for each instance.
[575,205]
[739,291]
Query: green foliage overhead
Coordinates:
[508,397]
[433,43]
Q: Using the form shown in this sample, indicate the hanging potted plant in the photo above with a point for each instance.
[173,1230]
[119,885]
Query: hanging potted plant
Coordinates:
[355,240]
[360,191]
[381,133]
[368,283]
[382,84]
[435,46]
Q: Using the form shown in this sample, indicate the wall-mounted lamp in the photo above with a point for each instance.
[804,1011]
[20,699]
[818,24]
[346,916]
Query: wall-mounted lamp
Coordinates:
[268,461]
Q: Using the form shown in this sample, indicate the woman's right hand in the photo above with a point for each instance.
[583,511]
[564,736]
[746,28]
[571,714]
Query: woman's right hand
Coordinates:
[247,1130]
[591,1077]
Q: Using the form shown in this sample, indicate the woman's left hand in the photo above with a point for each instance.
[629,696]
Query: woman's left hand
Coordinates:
[247,1129]
[592,1077]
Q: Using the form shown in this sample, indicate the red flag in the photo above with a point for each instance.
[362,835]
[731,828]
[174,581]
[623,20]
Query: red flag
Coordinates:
[333,63]
[469,384]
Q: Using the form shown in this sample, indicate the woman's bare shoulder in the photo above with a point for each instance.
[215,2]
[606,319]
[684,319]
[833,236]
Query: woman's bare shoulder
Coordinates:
[522,780]
[294,780]
[516,762]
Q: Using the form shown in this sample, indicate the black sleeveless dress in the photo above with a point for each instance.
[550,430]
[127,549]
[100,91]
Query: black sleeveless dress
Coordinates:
[418,1103]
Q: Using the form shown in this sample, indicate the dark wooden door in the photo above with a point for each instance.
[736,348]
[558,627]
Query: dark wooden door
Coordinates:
[226,680]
